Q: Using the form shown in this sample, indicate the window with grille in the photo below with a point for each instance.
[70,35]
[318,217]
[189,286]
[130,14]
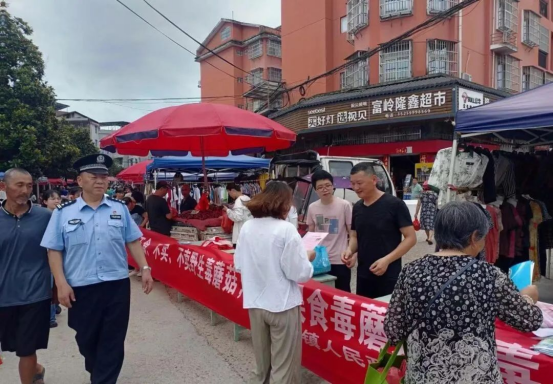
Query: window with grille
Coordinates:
[255,49]
[544,39]
[358,15]
[356,75]
[240,79]
[239,52]
[531,29]
[531,78]
[343,80]
[275,74]
[548,78]
[542,59]
[225,33]
[255,77]
[395,62]
[507,15]
[394,8]
[274,48]
[437,6]
[441,57]
[507,73]
[544,5]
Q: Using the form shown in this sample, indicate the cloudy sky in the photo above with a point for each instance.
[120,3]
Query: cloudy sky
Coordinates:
[98,49]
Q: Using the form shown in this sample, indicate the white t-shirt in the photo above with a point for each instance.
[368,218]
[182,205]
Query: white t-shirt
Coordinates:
[272,260]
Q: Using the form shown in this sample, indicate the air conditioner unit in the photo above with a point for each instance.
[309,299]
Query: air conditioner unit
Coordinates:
[199,84]
[466,76]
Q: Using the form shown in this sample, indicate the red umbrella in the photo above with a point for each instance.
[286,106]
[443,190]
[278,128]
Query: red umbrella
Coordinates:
[204,129]
[134,173]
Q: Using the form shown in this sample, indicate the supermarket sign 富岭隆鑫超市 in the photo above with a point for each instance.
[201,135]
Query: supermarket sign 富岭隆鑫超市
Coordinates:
[382,108]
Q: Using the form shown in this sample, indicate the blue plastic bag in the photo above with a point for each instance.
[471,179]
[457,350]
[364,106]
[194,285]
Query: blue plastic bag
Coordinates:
[321,264]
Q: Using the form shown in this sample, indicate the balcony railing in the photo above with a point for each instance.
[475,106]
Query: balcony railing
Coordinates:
[395,8]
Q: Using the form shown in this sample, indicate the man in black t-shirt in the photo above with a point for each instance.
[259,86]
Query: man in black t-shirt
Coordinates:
[379,221]
[159,214]
[188,203]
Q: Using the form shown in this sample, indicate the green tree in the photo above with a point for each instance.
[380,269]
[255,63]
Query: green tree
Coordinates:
[30,134]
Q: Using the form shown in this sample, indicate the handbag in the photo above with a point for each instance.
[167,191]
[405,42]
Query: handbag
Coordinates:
[417,224]
[388,361]
[321,264]
[227,224]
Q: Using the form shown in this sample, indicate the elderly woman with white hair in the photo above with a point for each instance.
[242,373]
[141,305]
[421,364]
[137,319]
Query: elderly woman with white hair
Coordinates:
[445,305]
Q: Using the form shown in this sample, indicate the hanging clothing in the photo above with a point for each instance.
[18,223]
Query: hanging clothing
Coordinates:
[489,194]
[504,175]
[492,240]
[533,252]
[468,173]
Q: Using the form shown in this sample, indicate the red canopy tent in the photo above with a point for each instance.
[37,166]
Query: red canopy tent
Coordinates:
[134,173]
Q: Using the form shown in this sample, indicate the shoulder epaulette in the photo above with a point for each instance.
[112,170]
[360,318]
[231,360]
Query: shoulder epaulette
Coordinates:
[66,204]
[117,200]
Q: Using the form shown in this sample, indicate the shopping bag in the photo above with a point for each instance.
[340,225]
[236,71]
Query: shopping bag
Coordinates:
[227,224]
[417,224]
[389,368]
[321,264]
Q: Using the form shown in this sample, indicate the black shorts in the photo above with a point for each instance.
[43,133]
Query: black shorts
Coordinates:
[25,328]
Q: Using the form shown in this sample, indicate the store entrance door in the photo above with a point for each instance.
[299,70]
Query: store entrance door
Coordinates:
[403,171]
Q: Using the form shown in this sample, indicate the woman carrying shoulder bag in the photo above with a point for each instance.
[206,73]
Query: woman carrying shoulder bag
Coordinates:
[450,337]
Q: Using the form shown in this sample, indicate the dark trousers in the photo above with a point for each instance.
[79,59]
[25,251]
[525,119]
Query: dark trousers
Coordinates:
[343,276]
[375,286]
[100,316]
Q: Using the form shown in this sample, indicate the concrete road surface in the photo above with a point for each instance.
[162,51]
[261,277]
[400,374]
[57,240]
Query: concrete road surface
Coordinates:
[162,347]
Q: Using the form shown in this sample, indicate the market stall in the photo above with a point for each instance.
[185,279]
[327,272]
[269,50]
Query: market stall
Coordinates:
[514,184]
[342,332]
[202,224]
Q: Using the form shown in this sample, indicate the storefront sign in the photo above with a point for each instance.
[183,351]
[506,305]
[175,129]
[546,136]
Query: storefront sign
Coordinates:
[404,150]
[385,108]
[342,333]
[470,99]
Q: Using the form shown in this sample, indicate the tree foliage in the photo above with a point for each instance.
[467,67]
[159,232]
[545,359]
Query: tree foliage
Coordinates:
[31,136]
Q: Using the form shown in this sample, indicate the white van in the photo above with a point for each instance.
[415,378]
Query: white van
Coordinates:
[293,168]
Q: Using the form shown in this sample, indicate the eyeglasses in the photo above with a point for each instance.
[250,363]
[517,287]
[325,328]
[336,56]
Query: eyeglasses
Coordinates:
[325,187]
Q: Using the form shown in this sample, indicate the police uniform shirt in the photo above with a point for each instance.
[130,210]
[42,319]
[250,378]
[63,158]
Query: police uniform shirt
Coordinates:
[92,241]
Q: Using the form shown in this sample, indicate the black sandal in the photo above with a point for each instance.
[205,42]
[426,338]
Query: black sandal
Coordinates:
[39,377]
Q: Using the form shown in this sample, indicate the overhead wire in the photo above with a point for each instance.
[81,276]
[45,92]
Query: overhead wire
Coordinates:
[168,37]
[195,40]
[425,25]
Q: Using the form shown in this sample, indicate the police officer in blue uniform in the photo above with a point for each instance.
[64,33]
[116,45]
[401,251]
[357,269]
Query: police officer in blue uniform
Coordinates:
[86,240]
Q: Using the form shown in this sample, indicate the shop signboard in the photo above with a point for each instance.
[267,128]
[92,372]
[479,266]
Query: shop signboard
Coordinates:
[470,99]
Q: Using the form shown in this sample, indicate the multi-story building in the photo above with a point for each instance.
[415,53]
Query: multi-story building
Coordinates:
[399,104]
[255,52]
[81,121]
[502,44]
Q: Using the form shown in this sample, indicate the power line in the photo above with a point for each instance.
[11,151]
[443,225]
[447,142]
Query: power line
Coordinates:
[427,24]
[187,34]
[186,49]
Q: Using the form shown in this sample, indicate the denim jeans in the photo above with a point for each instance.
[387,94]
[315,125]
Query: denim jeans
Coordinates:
[52,313]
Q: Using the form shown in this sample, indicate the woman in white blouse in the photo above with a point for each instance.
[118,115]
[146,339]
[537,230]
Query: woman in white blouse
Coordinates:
[272,260]
[239,213]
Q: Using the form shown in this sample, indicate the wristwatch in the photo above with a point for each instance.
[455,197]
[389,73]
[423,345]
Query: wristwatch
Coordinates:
[146,268]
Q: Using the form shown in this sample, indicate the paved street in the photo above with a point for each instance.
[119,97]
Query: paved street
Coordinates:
[173,343]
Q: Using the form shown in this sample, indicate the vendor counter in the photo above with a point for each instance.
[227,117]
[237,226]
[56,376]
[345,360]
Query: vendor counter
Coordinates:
[342,332]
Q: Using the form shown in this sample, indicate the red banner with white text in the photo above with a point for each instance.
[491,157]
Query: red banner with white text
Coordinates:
[342,333]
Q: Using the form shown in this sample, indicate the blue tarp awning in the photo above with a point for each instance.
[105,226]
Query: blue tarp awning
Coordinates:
[526,117]
[191,163]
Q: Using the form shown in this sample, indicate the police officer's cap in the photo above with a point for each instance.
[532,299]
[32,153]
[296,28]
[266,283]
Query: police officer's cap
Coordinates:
[96,164]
